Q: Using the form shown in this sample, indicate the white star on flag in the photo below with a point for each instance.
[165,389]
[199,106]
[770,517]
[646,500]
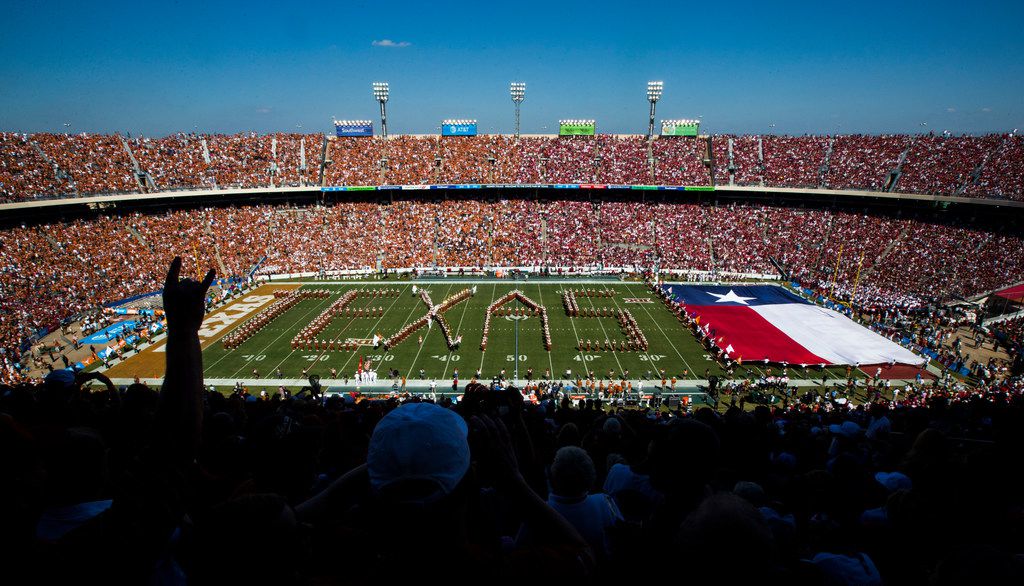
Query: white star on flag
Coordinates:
[731,296]
[729,349]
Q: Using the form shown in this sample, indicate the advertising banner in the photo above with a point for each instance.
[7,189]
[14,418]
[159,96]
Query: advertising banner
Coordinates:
[680,127]
[576,128]
[353,128]
[464,129]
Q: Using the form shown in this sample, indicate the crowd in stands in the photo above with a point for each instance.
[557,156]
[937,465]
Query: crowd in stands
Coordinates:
[56,165]
[297,160]
[354,161]
[173,162]
[680,162]
[919,485]
[746,160]
[516,233]
[93,163]
[239,160]
[529,167]
[572,233]
[626,234]
[944,164]
[624,161]
[1001,175]
[863,161]
[410,161]
[54,270]
[24,172]
[570,160]
[793,161]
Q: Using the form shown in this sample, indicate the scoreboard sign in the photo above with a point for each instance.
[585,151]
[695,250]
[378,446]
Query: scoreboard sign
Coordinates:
[576,128]
[680,127]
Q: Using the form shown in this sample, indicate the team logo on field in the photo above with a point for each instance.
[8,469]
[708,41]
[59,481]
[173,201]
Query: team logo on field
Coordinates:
[359,341]
[638,300]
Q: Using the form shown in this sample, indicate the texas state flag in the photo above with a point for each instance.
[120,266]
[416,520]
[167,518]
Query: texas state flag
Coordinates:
[767,321]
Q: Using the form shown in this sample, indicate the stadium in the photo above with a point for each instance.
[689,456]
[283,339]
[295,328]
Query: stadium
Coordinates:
[534,355]
[838,220]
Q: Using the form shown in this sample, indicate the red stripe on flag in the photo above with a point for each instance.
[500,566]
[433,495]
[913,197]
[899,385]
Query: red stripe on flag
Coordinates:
[752,336]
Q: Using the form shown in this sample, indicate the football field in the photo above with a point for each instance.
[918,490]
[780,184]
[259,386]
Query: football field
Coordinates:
[515,343]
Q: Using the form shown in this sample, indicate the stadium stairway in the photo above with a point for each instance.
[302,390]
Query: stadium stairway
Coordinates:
[760,159]
[730,165]
[975,175]
[823,170]
[137,171]
[868,272]
[216,247]
[53,241]
[894,175]
[61,175]
[138,235]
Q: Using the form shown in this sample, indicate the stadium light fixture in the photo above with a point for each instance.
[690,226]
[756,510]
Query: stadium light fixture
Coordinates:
[654,90]
[381,92]
[518,91]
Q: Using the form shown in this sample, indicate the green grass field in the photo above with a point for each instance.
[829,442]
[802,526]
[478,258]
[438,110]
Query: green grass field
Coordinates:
[671,346]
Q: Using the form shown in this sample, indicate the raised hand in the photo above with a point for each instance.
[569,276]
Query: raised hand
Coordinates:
[499,452]
[185,299]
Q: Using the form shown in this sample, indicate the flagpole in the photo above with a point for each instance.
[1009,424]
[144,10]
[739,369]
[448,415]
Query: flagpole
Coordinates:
[835,274]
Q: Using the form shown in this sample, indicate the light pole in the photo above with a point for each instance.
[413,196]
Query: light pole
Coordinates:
[381,92]
[654,89]
[518,91]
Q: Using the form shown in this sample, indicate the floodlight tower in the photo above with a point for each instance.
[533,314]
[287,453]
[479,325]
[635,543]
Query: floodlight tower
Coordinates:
[381,93]
[654,89]
[518,91]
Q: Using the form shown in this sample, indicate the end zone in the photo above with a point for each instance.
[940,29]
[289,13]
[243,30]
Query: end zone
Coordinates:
[149,363]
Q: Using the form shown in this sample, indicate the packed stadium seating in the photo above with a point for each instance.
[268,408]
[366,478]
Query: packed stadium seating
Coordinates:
[51,165]
[944,165]
[54,270]
[863,161]
[793,161]
[1001,176]
[24,172]
[173,162]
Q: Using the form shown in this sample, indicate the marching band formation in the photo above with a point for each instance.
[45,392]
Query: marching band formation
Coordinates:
[307,339]
[635,339]
[435,313]
[532,308]
[286,300]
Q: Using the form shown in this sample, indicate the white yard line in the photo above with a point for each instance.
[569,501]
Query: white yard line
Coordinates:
[540,292]
[494,291]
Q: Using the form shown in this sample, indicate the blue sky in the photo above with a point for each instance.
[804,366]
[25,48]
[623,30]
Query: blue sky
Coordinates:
[804,67]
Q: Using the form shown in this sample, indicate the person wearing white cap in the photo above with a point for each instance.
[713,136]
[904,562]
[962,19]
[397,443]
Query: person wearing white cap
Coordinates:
[416,486]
